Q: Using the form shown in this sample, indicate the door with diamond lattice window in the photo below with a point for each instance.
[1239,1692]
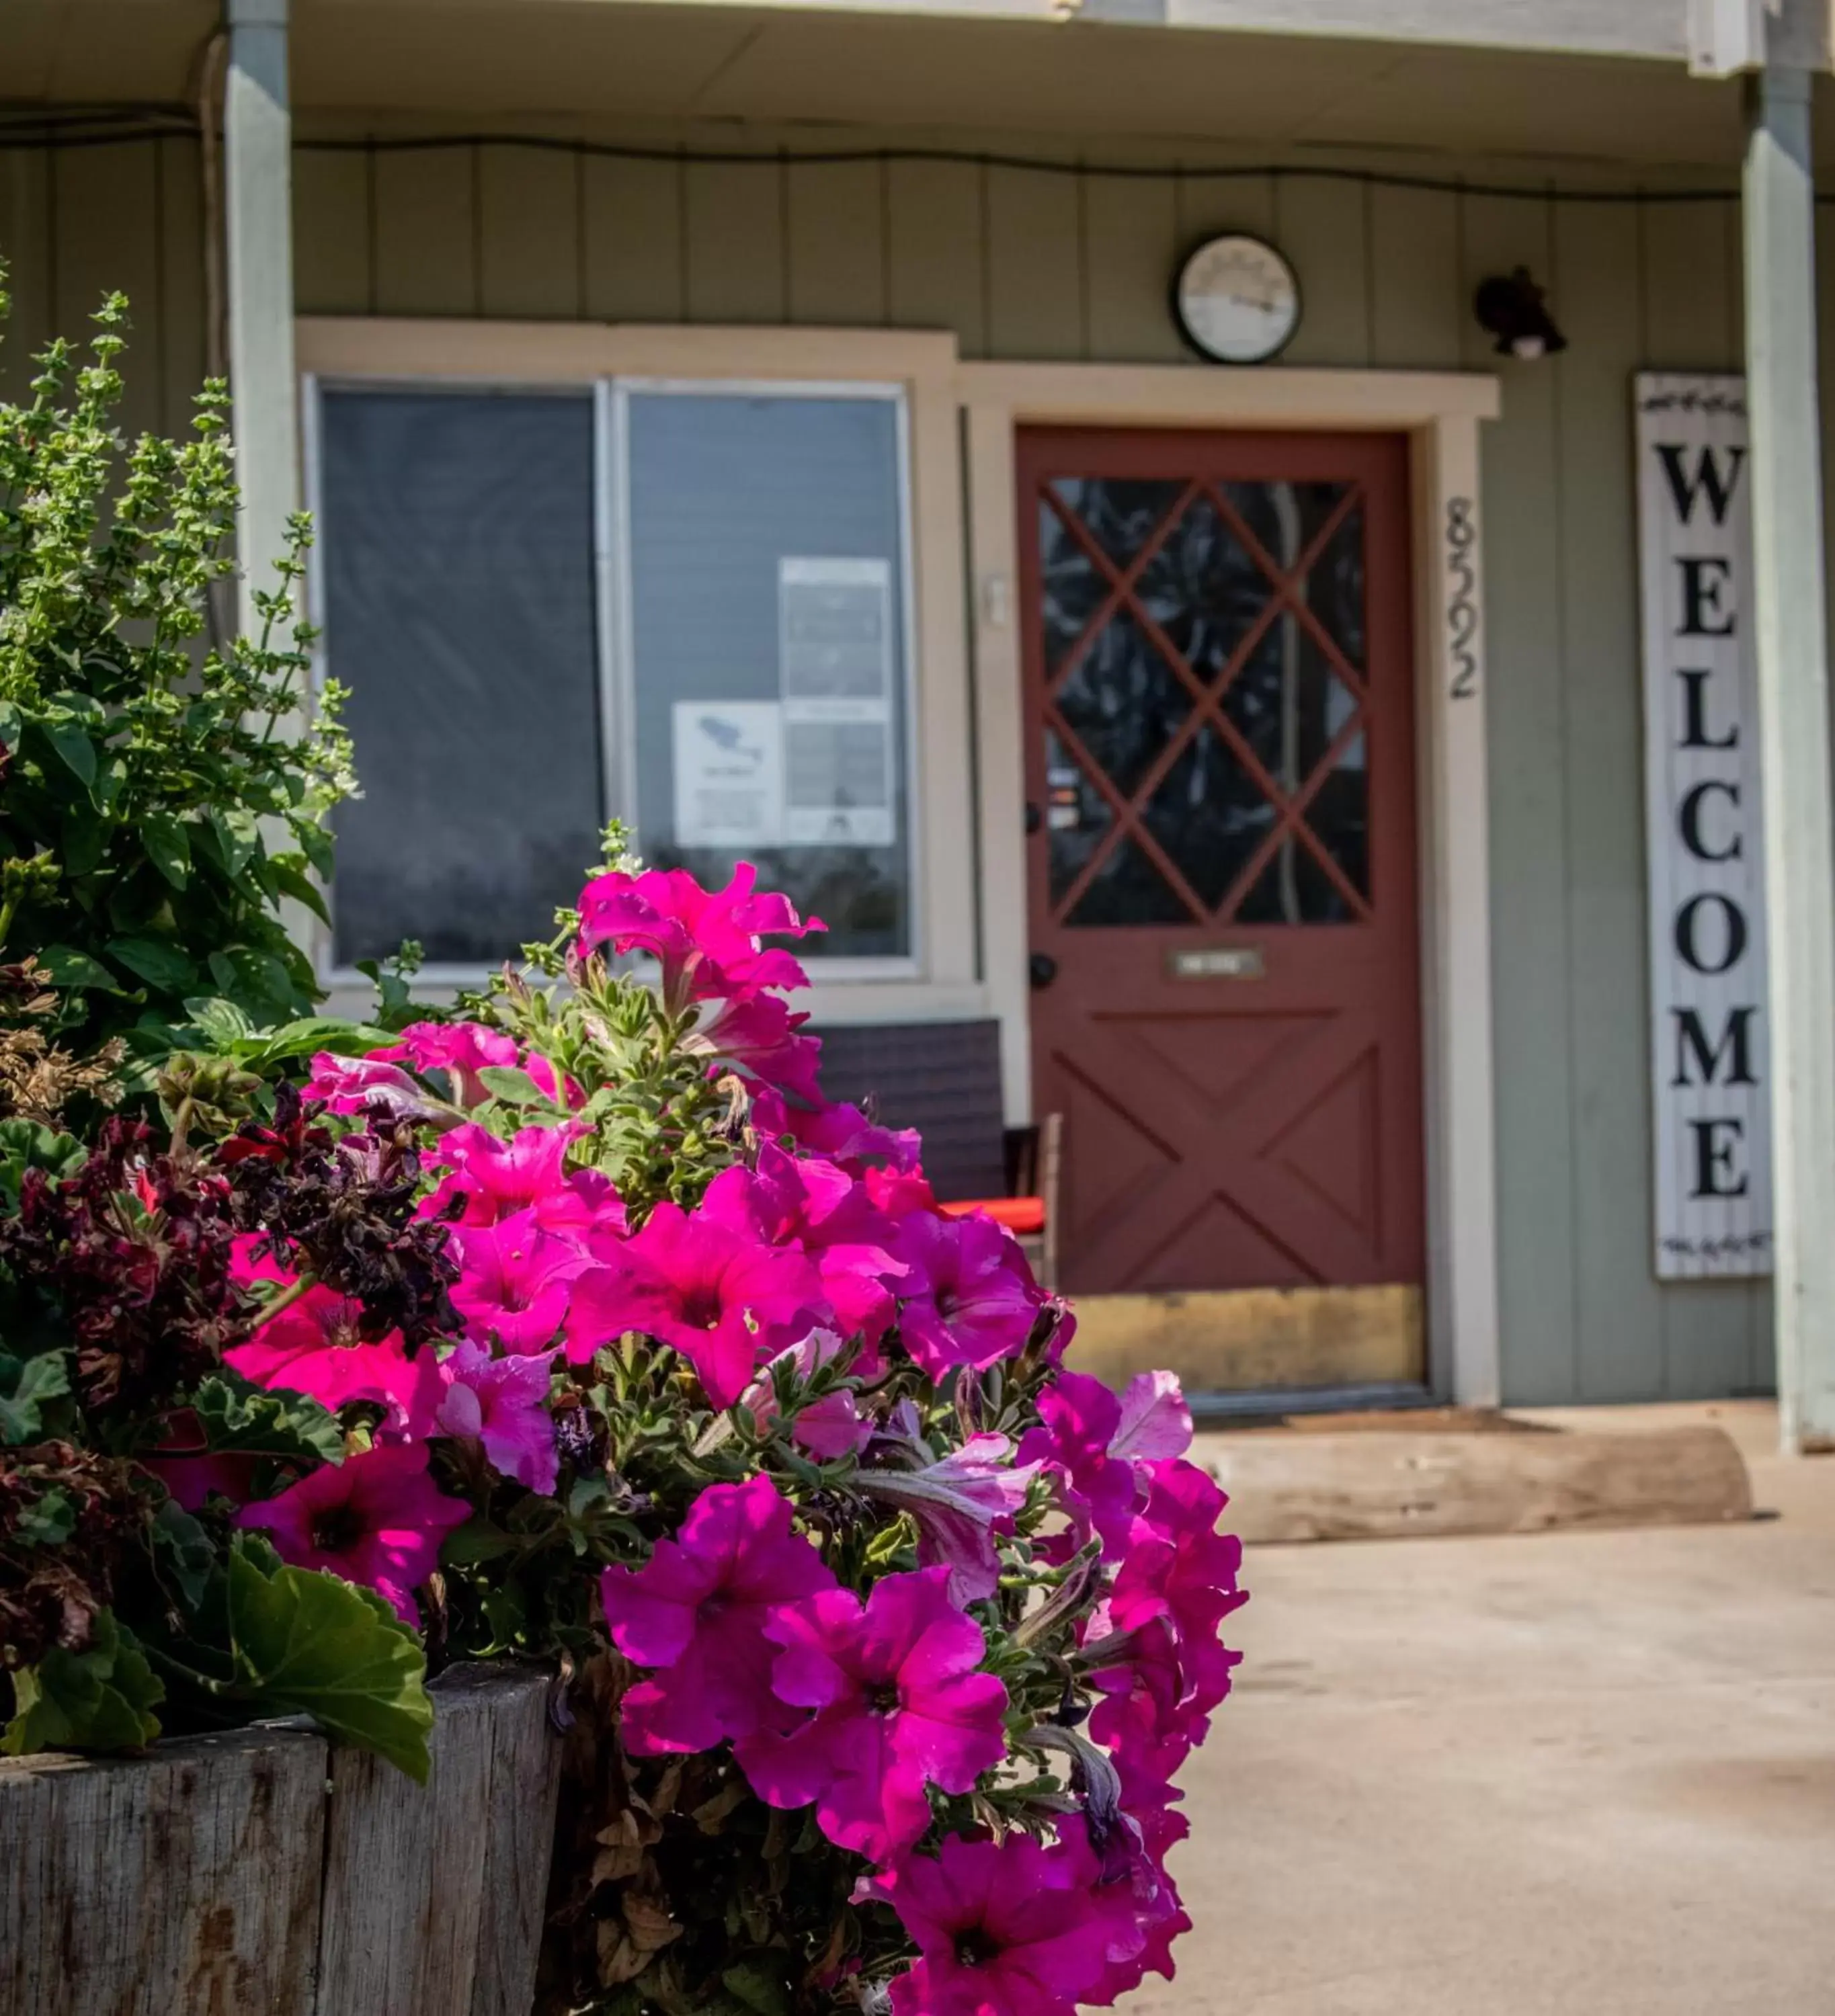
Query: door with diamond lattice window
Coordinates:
[1221,856]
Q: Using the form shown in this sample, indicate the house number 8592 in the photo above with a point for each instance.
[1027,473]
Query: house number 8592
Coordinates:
[1462,537]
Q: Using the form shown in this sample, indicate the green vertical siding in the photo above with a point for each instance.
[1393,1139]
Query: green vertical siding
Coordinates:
[1025,264]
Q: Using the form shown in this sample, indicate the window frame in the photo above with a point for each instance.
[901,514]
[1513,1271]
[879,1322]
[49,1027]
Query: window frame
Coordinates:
[903,983]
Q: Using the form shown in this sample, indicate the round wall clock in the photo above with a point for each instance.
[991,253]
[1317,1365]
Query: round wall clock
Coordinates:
[1237,300]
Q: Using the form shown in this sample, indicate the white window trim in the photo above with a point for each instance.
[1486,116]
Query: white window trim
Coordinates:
[940,979]
[1440,413]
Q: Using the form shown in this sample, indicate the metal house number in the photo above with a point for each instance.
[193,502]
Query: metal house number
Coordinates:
[1218,963]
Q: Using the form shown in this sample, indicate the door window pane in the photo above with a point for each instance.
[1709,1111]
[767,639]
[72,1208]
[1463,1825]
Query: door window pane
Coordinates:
[766,624]
[457,558]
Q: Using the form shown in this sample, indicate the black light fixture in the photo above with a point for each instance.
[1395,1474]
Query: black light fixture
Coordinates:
[1514,309]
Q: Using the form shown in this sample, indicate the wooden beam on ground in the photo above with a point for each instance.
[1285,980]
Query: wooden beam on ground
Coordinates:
[1382,1486]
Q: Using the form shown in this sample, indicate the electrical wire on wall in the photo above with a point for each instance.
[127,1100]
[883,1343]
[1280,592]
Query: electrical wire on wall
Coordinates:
[118,125]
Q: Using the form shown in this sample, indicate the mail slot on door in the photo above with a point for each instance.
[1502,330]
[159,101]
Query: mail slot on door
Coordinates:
[1217,962]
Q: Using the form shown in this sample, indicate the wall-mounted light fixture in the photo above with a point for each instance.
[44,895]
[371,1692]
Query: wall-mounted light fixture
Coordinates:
[1514,309]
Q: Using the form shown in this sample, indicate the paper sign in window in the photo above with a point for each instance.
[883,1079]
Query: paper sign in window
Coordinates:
[834,623]
[729,773]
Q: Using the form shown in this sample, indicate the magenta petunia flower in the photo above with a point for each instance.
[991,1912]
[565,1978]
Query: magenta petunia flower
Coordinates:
[959,1504]
[899,1705]
[818,1206]
[720,1296]
[1177,1565]
[970,1299]
[516,1281]
[376,1518]
[460,1050]
[842,1133]
[697,1609]
[1098,1442]
[705,941]
[491,1179]
[368,1084]
[760,1036]
[830,1426]
[502,1402]
[313,1346]
[1002,1928]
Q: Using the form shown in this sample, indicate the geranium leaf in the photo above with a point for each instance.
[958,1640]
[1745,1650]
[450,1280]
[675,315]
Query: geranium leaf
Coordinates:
[25,1386]
[100,1698]
[308,1643]
[183,1549]
[251,1420]
[749,1985]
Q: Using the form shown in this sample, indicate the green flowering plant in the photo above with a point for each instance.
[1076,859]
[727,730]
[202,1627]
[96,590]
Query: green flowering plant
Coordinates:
[160,799]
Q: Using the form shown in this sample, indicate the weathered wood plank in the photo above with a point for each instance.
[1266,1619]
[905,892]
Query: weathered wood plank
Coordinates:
[529,240]
[836,261]
[1323,228]
[185,1881]
[634,241]
[1131,246]
[934,212]
[1390,1486]
[433,1894]
[332,259]
[735,244]
[426,232]
[1036,286]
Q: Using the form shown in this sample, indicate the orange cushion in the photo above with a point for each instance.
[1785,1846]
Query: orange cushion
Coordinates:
[1020,1215]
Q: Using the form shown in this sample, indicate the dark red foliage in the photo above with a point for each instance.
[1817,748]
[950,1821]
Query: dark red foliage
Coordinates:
[134,1250]
[343,1210]
[50,1590]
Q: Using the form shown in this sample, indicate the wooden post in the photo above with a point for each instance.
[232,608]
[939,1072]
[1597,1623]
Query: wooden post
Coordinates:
[257,156]
[1794,725]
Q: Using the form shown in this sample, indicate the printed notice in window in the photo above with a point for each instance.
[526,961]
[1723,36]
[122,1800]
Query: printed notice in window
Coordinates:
[729,773]
[834,629]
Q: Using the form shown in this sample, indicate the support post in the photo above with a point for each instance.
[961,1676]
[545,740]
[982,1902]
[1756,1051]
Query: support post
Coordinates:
[1779,200]
[257,156]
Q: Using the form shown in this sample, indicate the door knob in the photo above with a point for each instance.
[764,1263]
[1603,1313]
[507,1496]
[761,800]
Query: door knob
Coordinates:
[1042,969]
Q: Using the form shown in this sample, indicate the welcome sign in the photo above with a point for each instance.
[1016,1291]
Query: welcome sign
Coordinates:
[1710,1054]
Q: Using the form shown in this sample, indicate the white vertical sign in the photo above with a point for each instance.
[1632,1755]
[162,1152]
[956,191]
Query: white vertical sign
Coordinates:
[1709,1051]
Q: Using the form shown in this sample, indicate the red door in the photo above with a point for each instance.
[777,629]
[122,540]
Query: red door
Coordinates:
[1221,860]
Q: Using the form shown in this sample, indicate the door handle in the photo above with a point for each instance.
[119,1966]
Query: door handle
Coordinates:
[1042,969]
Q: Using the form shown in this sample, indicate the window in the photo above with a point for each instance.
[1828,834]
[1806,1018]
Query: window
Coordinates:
[687,604]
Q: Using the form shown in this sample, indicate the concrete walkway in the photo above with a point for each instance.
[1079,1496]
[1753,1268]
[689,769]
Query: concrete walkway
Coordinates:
[1564,1775]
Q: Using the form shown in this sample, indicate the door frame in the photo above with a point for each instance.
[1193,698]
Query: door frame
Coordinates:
[1440,414]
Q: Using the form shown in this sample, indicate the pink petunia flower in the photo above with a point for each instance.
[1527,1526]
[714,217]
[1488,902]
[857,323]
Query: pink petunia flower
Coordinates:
[760,1036]
[1002,1928]
[1177,1565]
[898,1705]
[460,1050]
[1097,1442]
[830,1426]
[720,1296]
[970,1299]
[516,1281]
[842,1133]
[706,941]
[502,1403]
[959,1504]
[376,1518]
[492,1179]
[314,1346]
[697,1609]
[367,1085]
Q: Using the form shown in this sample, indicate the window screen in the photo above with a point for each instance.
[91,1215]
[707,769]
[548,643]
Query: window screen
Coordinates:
[766,627]
[457,552]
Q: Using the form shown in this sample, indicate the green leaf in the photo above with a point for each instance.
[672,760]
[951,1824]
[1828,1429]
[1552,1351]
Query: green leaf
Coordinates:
[316,843]
[75,747]
[477,1540]
[84,841]
[100,1698]
[71,968]
[159,964]
[182,1548]
[49,1523]
[168,847]
[238,835]
[25,1386]
[221,1021]
[512,1086]
[299,886]
[751,1985]
[256,1421]
[12,725]
[308,1643]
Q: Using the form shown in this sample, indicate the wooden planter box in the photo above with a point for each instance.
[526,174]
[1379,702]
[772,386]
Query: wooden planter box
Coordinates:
[267,1872]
